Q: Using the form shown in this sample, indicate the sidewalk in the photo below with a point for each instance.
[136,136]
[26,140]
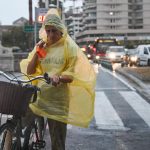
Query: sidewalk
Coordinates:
[139,78]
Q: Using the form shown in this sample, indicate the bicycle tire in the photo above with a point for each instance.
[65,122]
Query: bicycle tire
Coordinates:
[33,136]
[4,129]
[15,139]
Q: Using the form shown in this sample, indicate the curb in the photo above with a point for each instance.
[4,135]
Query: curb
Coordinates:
[132,77]
[141,88]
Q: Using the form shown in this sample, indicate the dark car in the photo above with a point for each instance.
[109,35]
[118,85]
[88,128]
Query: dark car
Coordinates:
[130,58]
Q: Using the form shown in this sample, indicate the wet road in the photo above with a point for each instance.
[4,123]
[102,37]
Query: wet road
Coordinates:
[121,120]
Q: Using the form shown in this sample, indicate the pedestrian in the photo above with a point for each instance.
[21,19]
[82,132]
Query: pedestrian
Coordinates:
[70,98]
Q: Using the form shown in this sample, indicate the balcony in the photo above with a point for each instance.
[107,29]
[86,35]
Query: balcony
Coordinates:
[90,18]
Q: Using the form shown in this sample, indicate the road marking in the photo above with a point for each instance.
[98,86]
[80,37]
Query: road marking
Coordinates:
[141,107]
[96,68]
[69,126]
[105,115]
[113,88]
[116,76]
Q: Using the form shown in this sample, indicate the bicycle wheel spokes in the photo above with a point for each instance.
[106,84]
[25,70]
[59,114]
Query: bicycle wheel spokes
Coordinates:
[9,138]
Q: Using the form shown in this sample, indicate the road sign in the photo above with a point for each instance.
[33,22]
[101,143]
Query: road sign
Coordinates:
[40,14]
[30,28]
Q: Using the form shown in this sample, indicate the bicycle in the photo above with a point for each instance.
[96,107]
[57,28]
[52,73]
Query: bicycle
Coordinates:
[11,133]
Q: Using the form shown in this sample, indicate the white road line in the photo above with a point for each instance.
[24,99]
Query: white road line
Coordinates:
[96,66]
[69,126]
[113,88]
[105,115]
[141,107]
[119,78]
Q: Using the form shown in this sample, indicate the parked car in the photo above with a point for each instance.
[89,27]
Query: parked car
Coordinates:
[143,55]
[115,54]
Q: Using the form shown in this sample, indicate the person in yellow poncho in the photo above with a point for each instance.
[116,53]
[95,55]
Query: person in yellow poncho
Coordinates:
[70,98]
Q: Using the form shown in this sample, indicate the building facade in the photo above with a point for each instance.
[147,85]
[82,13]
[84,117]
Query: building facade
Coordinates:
[73,21]
[20,22]
[121,19]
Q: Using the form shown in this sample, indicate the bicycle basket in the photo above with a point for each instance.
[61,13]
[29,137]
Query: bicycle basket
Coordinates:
[14,98]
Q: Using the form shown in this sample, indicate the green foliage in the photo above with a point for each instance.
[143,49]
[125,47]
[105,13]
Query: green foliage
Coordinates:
[17,37]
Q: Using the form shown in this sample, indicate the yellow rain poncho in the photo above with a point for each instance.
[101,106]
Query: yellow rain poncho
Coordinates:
[72,103]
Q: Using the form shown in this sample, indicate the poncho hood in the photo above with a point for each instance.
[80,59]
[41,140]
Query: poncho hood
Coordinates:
[52,18]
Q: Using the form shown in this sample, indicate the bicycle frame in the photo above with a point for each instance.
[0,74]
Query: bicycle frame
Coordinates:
[14,125]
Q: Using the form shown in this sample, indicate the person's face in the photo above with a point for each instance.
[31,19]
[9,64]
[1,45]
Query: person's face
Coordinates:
[53,34]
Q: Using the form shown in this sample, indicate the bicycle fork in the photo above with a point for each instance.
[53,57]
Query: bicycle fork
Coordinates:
[38,144]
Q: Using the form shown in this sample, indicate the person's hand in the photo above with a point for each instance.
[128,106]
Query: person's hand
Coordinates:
[41,44]
[55,80]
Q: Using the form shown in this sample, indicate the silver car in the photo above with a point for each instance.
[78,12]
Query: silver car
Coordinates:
[115,54]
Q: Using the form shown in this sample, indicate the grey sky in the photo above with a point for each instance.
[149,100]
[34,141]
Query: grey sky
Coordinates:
[11,10]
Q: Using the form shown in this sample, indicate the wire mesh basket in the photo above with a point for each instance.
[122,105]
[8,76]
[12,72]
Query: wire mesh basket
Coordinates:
[14,98]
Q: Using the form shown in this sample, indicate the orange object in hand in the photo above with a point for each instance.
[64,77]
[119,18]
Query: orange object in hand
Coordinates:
[41,52]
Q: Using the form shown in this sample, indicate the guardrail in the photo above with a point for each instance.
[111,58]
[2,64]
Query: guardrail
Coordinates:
[11,62]
[106,63]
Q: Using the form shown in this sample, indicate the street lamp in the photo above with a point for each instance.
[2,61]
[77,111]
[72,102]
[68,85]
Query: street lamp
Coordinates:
[111,13]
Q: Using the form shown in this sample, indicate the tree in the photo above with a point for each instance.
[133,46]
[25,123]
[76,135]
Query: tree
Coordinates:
[17,37]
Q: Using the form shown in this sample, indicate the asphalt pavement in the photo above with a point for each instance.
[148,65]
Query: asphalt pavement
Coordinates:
[142,87]
[76,137]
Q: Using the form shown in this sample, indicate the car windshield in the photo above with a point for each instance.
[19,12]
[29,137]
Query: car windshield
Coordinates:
[116,50]
[131,52]
[149,49]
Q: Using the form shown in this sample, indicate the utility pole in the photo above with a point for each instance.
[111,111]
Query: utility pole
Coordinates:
[30,12]
[30,42]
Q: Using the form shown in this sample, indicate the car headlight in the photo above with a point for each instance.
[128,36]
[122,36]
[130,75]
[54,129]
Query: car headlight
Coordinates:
[112,56]
[97,57]
[133,58]
[88,55]
[122,56]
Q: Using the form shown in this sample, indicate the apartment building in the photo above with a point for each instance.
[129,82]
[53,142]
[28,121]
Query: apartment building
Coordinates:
[121,19]
[73,21]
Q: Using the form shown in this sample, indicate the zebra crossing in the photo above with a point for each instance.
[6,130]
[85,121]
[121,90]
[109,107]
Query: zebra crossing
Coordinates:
[105,115]
[122,112]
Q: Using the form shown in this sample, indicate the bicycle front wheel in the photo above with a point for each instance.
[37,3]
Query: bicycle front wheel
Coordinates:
[6,137]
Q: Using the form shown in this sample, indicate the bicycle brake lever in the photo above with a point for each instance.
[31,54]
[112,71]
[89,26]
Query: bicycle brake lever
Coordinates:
[47,78]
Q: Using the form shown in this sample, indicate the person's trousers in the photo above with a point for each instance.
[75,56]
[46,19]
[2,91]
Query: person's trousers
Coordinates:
[58,131]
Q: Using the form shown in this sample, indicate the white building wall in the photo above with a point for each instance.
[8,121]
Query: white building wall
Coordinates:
[146,14]
[119,23]
[112,15]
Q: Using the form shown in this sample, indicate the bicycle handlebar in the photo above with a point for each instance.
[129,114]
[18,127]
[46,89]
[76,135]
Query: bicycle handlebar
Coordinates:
[45,77]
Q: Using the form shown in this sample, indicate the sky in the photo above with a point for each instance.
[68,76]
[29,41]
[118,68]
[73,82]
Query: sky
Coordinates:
[11,10]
